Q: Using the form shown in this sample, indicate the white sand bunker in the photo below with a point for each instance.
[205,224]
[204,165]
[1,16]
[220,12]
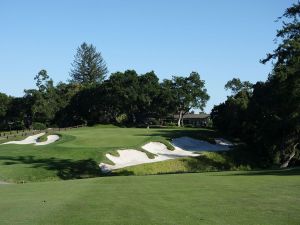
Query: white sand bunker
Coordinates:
[131,157]
[34,140]
[191,144]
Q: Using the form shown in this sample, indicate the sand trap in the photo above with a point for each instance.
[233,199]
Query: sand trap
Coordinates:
[33,140]
[222,141]
[184,147]
[192,144]
[131,157]
[3,182]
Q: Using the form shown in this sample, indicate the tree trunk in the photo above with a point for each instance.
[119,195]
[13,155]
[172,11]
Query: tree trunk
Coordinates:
[179,119]
[293,153]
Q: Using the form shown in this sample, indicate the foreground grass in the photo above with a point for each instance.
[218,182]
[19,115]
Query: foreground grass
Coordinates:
[263,197]
[79,151]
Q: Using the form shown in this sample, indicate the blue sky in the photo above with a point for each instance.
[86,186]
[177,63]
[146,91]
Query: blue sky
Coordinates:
[219,39]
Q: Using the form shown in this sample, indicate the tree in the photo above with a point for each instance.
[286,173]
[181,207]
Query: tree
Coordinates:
[236,85]
[270,123]
[125,93]
[43,81]
[4,102]
[229,117]
[190,93]
[88,66]
[44,100]
[283,90]
[4,106]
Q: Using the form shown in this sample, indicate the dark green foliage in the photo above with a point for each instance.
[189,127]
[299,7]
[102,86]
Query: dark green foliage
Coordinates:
[4,102]
[268,119]
[38,126]
[188,93]
[88,66]
[125,98]
[236,85]
[229,117]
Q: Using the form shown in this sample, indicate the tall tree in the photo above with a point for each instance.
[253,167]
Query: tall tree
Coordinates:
[229,117]
[284,86]
[44,100]
[88,66]
[271,119]
[4,102]
[190,92]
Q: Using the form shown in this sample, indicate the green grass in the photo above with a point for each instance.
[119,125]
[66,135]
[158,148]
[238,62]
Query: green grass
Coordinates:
[79,151]
[207,161]
[43,138]
[222,198]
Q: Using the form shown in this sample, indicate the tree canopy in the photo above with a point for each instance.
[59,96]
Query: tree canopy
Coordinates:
[190,93]
[88,66]
[268,119]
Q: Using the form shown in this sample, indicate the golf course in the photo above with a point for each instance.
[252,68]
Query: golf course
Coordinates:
[33,187]
[79,151]
[150,112]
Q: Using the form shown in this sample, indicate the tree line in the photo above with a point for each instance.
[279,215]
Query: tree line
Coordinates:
[89,97]
[266,115]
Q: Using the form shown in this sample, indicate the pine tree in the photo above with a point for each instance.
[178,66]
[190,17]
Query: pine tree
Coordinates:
[88,66]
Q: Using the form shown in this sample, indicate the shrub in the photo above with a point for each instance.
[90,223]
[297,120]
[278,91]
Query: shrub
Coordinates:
[38,126]
[122,118]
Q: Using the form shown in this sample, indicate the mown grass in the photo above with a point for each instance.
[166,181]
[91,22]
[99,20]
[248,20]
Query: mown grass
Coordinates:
[79,151]
[261,197]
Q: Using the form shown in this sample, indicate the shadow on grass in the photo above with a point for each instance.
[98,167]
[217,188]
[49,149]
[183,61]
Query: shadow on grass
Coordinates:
[169,134]
[190,165]
[276,172]
[65,168]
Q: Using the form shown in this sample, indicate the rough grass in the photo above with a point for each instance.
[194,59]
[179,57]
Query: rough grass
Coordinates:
[235,198]
[43,138]
[207,161]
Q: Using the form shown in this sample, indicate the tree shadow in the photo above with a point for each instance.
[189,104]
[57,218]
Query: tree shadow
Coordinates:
[276,172]
[65,168]
[204,164]
[169,134]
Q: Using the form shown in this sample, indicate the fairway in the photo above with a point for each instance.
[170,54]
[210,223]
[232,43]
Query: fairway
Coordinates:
[79,151]
[205,198]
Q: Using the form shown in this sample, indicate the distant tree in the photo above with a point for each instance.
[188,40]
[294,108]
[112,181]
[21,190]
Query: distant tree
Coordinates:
[125,91]
[190,93]
[236,85]
[165,103]
[88,66]
[4,103]
[42,80]
[44,100]
[149,89]
[229,117]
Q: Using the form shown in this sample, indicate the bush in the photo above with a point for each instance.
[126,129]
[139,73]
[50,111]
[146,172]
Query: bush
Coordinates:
[121,118]
[172,124]
[38,126]
[152,121]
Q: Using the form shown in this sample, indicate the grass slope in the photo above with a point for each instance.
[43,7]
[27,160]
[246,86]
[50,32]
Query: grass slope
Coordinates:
[79,151]
[263,197]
